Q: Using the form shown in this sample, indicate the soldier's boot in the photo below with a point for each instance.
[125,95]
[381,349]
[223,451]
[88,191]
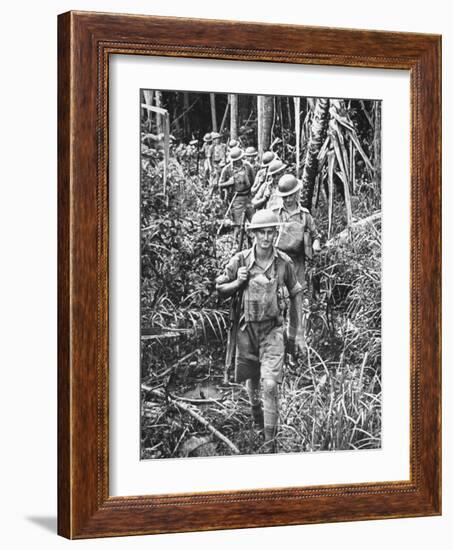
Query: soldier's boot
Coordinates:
[270,395]
[258,416]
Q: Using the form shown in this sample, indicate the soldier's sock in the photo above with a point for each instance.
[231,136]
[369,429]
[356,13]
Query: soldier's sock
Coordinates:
[270,400]
[253,389]
[258,416]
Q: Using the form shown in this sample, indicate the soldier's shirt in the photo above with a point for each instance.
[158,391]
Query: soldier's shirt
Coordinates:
[300,215]
[243,177]
[217,152]
[259,345]
[284,269]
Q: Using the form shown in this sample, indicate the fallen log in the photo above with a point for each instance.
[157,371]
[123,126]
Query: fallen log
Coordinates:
[195,414]
[343,236]
[205,423]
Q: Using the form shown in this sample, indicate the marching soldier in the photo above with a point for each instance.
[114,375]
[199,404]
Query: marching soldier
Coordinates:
[298,235]
[207,141]
[238,177]
[232,144]
[217,156]
[251,156]
[261,273]
[261,174]
[266,196]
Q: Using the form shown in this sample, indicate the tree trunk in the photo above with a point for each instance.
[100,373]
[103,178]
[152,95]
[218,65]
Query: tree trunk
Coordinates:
[317,136]
[297,130]
[377,141]
[148,96]
[159,121]
[186,117]
[233,98]
[213,113]
[265,106]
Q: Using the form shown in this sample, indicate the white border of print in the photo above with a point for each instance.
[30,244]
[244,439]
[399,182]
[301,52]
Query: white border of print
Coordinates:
[129,475]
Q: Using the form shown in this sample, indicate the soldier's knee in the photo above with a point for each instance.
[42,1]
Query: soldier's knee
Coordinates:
[269,386]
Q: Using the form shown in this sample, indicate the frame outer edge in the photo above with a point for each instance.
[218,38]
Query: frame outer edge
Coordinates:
[64,527]
[81,511]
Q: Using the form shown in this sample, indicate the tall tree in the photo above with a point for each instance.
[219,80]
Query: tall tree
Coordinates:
[213,113]
[159,120]
[297,130]
[377,141]
[148,97]
[233,99]
[317,136]
[265,108]
[186,118]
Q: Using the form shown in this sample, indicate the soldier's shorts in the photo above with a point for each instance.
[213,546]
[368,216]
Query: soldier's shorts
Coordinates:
[240,205]
[260,351]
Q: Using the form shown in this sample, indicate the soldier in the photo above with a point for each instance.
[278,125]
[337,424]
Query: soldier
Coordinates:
[261,273]
[261,174]
[266,196]
[238,176]
[232,144]
[251,156]
[192,156]
[217,156]
[207,139]
[298,235]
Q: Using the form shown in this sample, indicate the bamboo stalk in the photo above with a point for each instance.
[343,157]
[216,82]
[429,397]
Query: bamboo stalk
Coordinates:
[297,129]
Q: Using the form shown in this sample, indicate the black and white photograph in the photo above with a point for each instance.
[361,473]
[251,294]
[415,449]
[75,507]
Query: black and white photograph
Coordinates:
[260,274]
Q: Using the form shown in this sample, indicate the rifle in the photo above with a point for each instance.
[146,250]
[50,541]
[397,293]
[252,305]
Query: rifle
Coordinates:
[226,215]
[235,313]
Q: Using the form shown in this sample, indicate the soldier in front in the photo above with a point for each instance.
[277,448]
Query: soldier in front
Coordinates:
[261,273]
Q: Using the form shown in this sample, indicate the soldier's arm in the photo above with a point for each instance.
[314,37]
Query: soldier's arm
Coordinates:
[262,195]
[224,179]
[232,279]
[295,328]
[257,182]
[314,233]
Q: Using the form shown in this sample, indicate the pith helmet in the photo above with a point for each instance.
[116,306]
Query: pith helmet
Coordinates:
[236,154]
[263,218]
[251,152]
[207,138]
[275,167]
[268,157]
[233,143]
[287,185]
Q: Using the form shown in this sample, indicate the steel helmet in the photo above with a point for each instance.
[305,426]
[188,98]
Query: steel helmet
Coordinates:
[268,157]
[236,154]
[215,135]
[276,166]
[233,143]
[287,185]
[207,138]
[263,218]
[251,152]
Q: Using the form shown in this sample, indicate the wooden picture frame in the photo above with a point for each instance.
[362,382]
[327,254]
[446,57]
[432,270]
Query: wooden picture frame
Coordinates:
[85,41]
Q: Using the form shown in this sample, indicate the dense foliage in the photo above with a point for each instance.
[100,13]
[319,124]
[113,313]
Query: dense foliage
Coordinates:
[330,398]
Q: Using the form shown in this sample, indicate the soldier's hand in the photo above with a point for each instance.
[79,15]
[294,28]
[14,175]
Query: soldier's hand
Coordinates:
[242,275]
